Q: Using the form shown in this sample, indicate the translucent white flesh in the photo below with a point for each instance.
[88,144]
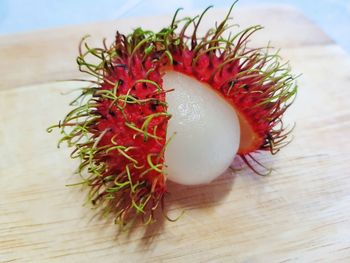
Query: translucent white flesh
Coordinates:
[207,131]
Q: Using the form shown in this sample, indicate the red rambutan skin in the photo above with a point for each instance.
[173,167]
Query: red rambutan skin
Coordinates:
[114,122]
[119,134]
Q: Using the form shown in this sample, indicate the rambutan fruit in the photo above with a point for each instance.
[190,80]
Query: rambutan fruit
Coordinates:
[123,130]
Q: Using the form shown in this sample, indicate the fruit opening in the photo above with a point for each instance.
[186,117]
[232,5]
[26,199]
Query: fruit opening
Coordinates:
[249,139]
[203,128]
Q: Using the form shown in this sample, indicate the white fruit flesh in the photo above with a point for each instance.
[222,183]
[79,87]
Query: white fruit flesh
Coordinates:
[207,131]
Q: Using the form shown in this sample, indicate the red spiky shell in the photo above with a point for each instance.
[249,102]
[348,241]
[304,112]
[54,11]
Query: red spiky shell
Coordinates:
[119,133]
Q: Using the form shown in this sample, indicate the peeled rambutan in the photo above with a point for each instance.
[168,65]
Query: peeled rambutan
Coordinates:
[119,129]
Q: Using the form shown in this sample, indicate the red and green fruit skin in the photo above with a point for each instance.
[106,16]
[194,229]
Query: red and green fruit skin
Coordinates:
[118,130]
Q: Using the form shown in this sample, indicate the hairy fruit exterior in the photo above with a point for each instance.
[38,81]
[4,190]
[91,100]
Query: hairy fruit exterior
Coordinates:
[118,130]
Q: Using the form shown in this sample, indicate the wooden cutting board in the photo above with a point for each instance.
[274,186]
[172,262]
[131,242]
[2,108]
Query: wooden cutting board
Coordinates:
[301,213]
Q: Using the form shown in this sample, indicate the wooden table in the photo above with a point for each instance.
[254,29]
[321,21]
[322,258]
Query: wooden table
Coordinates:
[301,213]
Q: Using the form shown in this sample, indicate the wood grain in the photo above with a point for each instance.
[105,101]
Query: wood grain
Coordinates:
[300,213]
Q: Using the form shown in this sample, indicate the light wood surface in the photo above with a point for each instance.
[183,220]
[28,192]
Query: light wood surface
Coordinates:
[301,213]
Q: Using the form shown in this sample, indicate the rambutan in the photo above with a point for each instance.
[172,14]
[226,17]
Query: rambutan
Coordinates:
[119,129]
